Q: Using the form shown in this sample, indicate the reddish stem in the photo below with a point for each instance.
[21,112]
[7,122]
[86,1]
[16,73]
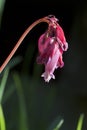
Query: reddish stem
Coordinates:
[20,41]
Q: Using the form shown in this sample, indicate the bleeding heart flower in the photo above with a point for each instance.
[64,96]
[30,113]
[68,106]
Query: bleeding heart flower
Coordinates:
[51,45]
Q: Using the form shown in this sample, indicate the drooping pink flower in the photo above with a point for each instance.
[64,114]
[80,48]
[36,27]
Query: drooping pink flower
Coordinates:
[51,45]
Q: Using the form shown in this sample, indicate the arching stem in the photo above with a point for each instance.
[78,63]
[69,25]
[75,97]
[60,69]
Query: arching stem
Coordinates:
[21,39]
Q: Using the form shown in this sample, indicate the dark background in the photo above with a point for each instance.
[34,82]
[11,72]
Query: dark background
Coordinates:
[18,15]
[67,95]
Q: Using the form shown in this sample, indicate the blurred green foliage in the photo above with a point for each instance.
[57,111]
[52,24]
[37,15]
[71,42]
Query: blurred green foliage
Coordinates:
[2,87]
[2,119]
[21,120]
[2,3]
[80,122]
[28,103]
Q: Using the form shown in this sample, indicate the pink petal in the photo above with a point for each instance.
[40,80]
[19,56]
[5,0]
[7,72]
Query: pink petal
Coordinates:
[51,65]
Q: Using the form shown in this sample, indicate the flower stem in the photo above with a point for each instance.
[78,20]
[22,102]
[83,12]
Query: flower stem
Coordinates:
[21,39]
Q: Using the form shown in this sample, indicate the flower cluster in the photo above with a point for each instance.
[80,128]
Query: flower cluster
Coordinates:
[51,46]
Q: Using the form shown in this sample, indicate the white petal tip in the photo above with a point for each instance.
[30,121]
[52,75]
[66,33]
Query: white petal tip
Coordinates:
[47,76]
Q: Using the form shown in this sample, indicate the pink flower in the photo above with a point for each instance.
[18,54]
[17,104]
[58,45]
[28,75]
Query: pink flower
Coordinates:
[51,45]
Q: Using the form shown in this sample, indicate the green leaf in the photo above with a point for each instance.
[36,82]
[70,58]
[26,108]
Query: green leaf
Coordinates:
[80,122]
[2,3]
[59,125]
[11,89]
[3,83]
[8,93]
[2,119]
[14,61]
[23,125]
